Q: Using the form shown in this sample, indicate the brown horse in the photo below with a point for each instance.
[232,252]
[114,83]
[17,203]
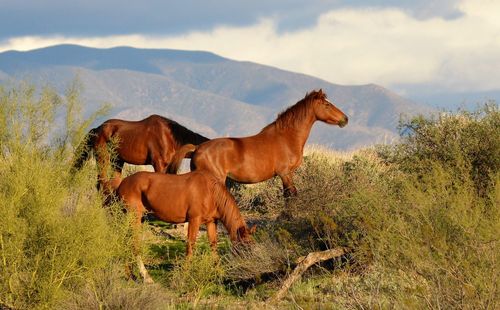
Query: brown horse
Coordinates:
[196,197]
[276,150]
[151,141]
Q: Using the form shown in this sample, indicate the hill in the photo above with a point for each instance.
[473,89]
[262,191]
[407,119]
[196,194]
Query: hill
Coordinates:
[210,94]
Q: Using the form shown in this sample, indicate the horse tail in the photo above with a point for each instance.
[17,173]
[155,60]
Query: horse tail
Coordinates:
[185,151]
[84,149]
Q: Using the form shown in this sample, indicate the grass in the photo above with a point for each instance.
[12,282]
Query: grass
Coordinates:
[420,219]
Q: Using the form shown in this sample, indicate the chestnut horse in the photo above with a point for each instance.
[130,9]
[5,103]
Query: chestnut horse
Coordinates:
[151,141]
[195,197]
[276,150]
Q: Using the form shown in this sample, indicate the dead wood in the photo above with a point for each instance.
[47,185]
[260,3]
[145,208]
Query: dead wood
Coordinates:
[303,264]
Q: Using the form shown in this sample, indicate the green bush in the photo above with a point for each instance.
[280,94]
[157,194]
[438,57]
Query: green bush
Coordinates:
[197,277]
[55,236]
[422,214]
[466,142]
[449,217]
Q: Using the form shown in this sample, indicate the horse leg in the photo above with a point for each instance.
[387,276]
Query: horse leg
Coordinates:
[143,271]
[103,159]
[193,228]
[108,187]
[212,236]
[289,189]
[117,174]
[136,244]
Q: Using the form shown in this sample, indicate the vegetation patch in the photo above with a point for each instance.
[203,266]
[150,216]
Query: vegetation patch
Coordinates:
[419,221]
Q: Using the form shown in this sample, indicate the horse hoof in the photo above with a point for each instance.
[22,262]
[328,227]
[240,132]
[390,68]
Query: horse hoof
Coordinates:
[148,280]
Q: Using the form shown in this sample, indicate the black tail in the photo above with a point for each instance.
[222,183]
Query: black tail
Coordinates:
[84,149]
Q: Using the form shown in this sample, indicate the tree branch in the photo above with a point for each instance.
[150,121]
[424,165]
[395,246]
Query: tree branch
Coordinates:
[302,265]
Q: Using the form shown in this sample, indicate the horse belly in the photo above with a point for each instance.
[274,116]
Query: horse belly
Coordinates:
[249,172]
[133,154]
[132,148]
[165,208]
[170,217]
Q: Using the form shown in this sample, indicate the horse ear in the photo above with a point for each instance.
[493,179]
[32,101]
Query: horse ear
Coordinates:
[253,229]
[320,91]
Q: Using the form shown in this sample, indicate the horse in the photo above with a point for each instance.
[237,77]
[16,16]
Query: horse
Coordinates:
[276,150]
[151,141]
[195,197]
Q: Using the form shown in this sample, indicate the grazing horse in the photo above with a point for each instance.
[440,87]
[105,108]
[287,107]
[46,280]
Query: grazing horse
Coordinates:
[276,150]
[195,197]
[151,141]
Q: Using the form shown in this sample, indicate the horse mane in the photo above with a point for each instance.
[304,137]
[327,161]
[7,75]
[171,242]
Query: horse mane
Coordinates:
[182,134]
[229,212]
[297,112]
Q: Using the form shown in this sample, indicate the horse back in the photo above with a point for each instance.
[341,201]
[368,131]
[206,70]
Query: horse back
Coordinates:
[172,198]
[139,142]
[247,160]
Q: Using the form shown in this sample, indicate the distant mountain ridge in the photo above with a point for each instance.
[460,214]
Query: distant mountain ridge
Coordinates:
[207,93]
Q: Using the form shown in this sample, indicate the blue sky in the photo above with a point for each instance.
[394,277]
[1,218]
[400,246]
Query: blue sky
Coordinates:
[412,47]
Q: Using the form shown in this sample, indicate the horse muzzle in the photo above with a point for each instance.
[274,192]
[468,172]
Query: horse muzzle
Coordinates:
[343,122]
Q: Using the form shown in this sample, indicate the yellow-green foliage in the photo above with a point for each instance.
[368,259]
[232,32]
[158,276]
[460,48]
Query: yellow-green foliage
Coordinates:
[54,234]
[466,142]
[420,219]
[424,212]
[198,276]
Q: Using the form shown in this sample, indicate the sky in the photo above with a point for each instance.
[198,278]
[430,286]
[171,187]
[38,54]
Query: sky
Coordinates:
[425,50]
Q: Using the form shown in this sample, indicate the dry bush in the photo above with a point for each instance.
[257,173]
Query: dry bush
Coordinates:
[108,290]
[265,257]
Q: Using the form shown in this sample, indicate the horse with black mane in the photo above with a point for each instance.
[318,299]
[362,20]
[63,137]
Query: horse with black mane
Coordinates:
[276,150]
[151,141]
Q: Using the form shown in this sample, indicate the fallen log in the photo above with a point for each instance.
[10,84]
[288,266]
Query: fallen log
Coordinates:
[303,263]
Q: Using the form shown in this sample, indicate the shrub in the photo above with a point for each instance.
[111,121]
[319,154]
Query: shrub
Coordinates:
[466,142]
[107,289]
[198,276]
[424,211]
[55,235]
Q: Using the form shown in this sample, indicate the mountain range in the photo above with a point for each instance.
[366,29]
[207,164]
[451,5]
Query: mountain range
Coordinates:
[207,93]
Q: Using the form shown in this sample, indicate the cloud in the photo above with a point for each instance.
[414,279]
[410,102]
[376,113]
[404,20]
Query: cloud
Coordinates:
[386,46]
[116,17]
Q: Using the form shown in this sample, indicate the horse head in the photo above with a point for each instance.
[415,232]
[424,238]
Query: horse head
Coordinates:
[244,234]
[326,111]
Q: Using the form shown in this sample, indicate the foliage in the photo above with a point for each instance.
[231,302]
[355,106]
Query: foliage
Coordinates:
[55,235]
[420,218]
[424,211]
[466,142]
[197,277]
[108,289]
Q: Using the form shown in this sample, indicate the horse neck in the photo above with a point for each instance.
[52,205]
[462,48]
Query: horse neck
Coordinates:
[298,129]
[228,211]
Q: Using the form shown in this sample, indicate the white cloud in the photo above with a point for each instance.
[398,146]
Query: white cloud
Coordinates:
[350,46]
